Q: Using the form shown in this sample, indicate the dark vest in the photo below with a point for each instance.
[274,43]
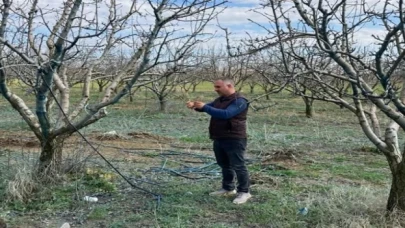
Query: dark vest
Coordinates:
[234,128]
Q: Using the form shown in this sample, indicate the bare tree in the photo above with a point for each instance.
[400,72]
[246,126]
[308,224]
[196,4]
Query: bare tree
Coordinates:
[191,82]
[221,65]
[43,44]
[195,74]
[325,37]
[164,83]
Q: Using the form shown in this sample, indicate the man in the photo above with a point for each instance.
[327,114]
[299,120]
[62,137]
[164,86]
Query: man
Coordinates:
[228,131]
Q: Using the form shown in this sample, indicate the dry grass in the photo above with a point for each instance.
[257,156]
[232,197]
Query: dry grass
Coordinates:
[303,163]
[22,186]
[348,206]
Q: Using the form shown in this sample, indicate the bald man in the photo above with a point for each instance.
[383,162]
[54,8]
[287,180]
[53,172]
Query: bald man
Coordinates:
[227,129]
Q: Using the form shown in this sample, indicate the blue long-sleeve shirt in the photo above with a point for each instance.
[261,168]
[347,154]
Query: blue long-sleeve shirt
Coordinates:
[236,107]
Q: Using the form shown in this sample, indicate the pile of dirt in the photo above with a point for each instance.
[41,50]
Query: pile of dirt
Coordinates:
[113,135]
[284,156]
[16,141]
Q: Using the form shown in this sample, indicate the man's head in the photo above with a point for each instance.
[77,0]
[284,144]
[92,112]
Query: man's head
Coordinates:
[224,87]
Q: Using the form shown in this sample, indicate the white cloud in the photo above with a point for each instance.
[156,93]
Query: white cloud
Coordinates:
[235,17]
[239,16]
[364,36]
[245,2]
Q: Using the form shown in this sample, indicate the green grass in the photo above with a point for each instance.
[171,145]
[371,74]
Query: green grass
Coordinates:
[194,139]
[352,172]
[99,213]
[337,174]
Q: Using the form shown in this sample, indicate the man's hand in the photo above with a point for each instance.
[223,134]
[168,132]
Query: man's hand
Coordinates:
[190,104]
[199,104]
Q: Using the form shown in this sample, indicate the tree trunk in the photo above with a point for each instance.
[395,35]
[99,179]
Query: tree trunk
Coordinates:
[186,88]
[100,85]
[396,199]
[100,88]
[266,90]
[341,96]
[309,109]
[50,160]
[132,92]
[194,88]
[162,104]
[252,89]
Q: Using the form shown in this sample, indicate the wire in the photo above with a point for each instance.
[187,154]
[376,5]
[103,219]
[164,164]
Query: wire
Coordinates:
[158,197]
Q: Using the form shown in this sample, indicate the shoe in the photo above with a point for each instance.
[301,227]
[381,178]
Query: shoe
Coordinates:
[242,197]
[223,192]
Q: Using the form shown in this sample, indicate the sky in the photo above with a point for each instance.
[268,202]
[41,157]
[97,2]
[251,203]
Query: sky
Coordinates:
[234,16]
[238,15]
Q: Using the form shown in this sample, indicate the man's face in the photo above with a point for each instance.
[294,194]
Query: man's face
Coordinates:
[221,88]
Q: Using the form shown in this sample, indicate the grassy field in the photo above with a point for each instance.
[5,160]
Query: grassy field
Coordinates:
[325,164]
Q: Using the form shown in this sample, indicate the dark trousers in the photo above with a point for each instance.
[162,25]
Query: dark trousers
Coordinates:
[230,155]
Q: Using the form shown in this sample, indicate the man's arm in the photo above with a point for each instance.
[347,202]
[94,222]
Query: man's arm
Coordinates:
[202,110]
[236,107]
